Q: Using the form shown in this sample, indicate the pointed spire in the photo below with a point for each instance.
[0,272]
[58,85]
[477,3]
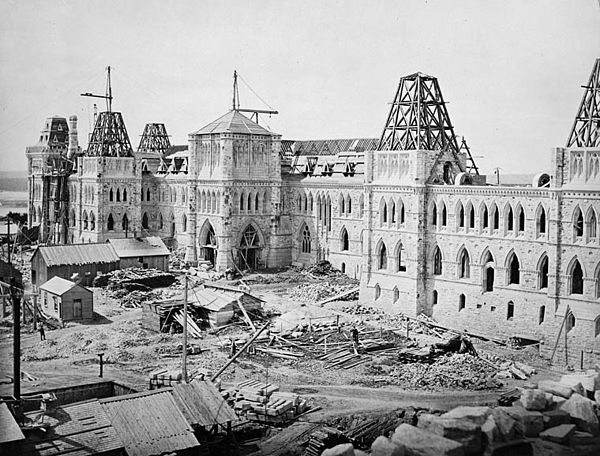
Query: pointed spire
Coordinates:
[586,128]
[109,138]
[418,118]
[155,140]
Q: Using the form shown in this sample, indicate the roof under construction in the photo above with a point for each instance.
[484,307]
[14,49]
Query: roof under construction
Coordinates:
[233,122]
[139,247]
[586,128]
[109,138]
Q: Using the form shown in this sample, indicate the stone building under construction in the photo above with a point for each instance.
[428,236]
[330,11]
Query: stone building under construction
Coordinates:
[407,212]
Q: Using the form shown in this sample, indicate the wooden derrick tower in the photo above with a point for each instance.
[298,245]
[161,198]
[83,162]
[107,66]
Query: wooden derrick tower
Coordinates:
[586,128]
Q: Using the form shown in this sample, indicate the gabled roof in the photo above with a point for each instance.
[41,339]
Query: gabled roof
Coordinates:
[314,147]
[149,423]
[214,300]
[137,247]
[233,122]
[77,254]
[77,430]
[202,404]
[59,286]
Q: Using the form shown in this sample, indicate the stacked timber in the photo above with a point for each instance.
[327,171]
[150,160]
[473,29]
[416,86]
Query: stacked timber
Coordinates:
[164,377]
[342,359]
[323,438]
[192,327]
[263,402]
[280,353]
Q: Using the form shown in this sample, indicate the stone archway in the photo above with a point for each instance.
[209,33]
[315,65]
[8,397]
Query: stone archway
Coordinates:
[208,244]
[249,249]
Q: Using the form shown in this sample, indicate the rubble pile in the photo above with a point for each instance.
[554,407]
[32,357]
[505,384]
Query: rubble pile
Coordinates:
[263,402]
[362,310]
[314,292]
[453,371]
[545,420]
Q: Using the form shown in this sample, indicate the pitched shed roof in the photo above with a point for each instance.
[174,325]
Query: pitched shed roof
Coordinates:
[59,286]
[233,122]
[149,423]
[136,247]
[202,404]
[212,299]
[10,429]
[77,254]
[75,429]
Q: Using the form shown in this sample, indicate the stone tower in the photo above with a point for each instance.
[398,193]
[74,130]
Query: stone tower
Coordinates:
[235,196]
[107,184]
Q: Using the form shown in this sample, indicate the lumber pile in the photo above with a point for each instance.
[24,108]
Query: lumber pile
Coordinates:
[164,378]
[263,402]
[323,438]
[342,359]
[192,327]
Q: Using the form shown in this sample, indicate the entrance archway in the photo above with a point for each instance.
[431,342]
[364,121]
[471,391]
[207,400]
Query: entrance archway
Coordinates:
[249,249]
[208,244]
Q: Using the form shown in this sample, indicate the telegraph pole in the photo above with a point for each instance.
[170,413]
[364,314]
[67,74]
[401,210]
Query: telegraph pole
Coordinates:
[185,316]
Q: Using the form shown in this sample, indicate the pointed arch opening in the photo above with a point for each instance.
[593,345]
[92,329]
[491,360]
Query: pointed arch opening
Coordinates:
[576,278]
[495,215]
[383,212]
[510,218]
[396,294]
[348,204]
[145,223]
[464,264]
[345,242]
[434,214]
[393,219]
[92,221]
[520,219]
[118,198]
[591,224]
[305,240]
[577,223]
[148,194]
[485,222]
[540,221]
[184,223]
[514,269]
[541,315]
[470,216]
[460,215]
[437,261]
[208,243]
[444,220]
[377,291]
[400,258]
[401,212]
[382,256]
[110,195]
[85,220]
[124,195]
[110,223]
[125,224]
[250,248]
[543,272]
[488,272]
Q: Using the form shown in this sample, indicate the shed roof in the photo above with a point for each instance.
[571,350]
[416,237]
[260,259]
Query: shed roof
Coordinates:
[202,404]
[136,247]
[149,423]
[77,254]
[213,299]
[76,429]
[233,122]
[59,286]
[10,429]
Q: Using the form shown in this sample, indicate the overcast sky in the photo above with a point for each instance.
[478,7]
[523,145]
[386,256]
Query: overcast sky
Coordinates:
[511,70]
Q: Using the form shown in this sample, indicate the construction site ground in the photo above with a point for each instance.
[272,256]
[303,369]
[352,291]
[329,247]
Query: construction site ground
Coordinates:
[68,356]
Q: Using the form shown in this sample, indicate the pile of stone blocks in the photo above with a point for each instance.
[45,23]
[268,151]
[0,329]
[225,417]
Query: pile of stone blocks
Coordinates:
[555,413]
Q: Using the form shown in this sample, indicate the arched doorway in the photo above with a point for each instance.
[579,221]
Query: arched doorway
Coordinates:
[249,249]
[208,244]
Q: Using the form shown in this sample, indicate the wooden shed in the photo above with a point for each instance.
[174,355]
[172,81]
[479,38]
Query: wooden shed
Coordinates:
[222,302]
[84,260]
[148,252]
[66,301]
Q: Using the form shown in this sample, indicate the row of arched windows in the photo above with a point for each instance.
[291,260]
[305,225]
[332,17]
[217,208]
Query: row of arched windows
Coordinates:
[88,220]
[305,204]
[575,273]
[209,202]
[391,212]
[514,220]
[117,195]
[252,201]
[111,225]
[584,228]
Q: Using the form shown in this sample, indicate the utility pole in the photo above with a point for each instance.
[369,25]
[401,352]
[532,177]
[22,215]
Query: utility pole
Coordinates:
[185,316]
[12,291]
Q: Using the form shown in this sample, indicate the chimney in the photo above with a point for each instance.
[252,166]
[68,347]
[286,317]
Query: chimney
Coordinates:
[73,141]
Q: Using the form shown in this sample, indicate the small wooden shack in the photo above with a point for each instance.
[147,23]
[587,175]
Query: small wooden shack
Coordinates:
[222,302]
[66,301]
[84,260]
[148,252]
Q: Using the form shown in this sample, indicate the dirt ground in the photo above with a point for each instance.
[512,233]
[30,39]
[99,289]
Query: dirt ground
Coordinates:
[69,354]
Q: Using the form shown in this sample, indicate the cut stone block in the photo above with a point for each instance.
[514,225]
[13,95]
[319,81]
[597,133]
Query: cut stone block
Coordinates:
[558,389]
[459,430]
[345,449]
[530,423]
[559,434]
[574,383]
[422,443]
[534,399]
[554,418]
[499,427]
[382,446]
[557,401]
[590,380]
[476,415]
[583,414]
